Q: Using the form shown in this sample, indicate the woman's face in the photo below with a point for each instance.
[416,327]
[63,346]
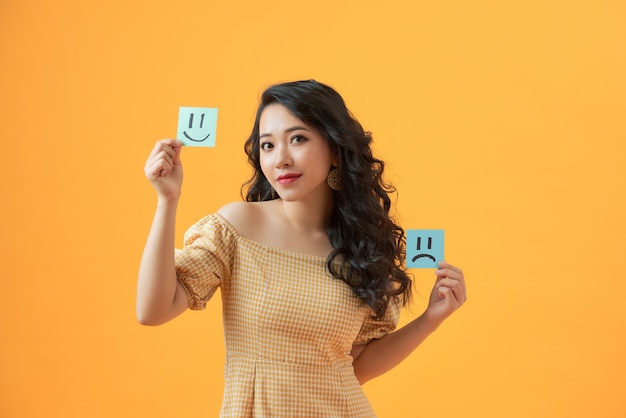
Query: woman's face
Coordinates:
[294,156]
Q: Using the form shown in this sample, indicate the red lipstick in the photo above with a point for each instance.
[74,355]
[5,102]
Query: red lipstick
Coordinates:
[288,178]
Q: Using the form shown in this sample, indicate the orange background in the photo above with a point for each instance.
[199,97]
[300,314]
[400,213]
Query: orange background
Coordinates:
[501,122]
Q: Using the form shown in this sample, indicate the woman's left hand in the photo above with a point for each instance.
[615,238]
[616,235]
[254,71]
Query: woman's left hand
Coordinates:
[447,295]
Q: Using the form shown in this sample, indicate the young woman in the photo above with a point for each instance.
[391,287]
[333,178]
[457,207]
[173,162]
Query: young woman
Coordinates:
[310,266]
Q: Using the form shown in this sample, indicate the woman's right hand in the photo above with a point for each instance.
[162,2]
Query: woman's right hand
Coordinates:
[164,169]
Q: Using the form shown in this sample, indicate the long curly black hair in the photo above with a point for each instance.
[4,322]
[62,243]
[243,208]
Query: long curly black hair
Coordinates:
[369,247]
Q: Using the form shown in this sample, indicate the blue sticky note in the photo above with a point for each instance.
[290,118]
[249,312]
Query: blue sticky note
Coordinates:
[424,248]
[197,126]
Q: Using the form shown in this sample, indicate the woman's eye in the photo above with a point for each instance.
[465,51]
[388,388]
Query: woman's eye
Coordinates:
[266,146]
[298,138]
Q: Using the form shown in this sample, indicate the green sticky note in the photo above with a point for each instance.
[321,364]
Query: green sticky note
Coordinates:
[424,248]
[197,126]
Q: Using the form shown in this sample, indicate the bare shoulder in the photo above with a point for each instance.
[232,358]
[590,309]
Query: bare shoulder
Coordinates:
[239,214]
[248,218]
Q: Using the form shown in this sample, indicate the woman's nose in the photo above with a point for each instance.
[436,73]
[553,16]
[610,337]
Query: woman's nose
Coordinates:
[283,156]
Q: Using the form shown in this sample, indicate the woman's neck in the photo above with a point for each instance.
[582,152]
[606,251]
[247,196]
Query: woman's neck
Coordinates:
[309,216]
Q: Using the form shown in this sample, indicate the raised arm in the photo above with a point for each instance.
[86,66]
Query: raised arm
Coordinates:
[383,354]
[159,295]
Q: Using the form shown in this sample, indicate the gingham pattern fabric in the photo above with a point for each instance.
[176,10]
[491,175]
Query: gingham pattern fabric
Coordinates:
[289,327]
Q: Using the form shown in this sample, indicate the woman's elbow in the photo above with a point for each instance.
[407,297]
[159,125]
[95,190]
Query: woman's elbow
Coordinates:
[360,379]
[145,317]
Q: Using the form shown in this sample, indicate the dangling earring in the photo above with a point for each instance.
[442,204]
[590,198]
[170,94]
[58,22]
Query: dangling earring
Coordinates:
[333,179]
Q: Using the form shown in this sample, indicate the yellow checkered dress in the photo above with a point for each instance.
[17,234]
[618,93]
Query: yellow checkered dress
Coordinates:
[289,327]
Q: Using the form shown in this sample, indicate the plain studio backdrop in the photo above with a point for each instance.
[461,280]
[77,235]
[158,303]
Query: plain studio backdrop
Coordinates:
[501,122]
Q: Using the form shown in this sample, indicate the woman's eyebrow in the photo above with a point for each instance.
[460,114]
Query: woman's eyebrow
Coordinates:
[293,128]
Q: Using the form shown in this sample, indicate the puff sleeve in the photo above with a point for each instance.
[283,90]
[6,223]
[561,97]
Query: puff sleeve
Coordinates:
[205,259]
[372,329]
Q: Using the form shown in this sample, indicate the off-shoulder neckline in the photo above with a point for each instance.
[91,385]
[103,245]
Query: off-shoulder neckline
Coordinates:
[236,233]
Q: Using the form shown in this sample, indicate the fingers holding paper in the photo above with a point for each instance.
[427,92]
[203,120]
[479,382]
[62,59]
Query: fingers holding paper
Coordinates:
[448,294]
[164,169]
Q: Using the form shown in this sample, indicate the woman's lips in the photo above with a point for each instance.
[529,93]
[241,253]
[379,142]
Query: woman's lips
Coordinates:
[288,178]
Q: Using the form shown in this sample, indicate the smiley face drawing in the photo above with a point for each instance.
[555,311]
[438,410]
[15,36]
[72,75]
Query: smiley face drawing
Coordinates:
[191,127]
[424,248]
[197,125]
